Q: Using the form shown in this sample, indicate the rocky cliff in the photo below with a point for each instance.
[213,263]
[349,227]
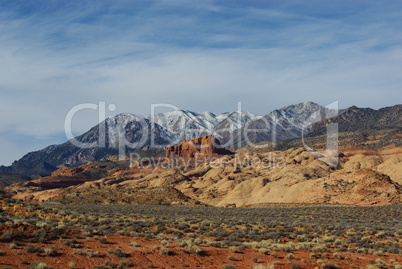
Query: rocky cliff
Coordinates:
[207,146]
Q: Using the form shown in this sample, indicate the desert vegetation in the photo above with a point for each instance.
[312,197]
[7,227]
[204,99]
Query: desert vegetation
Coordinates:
[160,236]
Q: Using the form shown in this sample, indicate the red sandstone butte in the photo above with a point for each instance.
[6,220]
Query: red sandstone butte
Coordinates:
[206,146]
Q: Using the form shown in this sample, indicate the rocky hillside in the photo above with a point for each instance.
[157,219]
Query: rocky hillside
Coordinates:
[9,178]
[148,135]
[356,119]
[244,179]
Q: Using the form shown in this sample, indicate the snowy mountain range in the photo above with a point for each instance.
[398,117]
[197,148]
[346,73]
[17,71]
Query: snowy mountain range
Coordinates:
[126,133]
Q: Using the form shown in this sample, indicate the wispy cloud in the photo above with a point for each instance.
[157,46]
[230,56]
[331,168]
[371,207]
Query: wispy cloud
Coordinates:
[202,56]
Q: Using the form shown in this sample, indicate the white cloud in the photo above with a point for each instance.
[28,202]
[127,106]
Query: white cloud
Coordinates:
[203,58]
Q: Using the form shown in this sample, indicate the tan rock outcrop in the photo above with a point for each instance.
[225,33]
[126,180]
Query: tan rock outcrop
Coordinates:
[247,179]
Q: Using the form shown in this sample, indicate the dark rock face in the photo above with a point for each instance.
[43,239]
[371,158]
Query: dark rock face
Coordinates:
[354,119]
[207,146]
[9,178]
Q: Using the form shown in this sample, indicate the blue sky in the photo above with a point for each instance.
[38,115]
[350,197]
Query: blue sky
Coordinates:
[196,55]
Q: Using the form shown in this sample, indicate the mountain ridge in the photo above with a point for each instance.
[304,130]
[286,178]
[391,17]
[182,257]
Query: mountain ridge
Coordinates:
[362,119]
[141,134]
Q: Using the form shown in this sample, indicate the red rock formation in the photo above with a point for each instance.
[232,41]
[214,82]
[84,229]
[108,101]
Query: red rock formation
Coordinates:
[205,146]
[71,171]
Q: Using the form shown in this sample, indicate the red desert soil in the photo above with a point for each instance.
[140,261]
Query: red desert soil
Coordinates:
[146,254]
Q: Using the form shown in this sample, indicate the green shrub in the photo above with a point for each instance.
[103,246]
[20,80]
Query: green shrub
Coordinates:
[337,255]
[164,251]
[118,253]
[233,249]
[50,252]
[319,249]
[264,266]
[294,266]
[231,258]
[290,256]
[133,244]
[6,236]
[195,249]
[32,249]
[39,265]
